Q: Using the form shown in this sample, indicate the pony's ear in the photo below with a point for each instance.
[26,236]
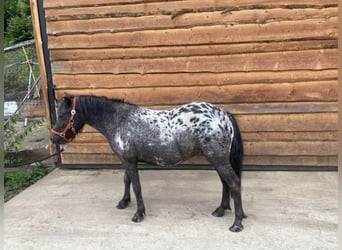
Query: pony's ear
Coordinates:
[67,98]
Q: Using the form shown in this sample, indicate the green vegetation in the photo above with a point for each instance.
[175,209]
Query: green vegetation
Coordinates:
[18,23]
[13,138]
[17,180]
[18,28]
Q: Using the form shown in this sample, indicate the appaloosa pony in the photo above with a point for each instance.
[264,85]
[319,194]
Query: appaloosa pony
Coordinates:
[160,137]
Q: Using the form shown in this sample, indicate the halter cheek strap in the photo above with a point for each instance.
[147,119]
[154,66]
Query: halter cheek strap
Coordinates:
[70,125]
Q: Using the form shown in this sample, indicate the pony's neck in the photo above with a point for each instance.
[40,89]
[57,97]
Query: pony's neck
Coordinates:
[101,113]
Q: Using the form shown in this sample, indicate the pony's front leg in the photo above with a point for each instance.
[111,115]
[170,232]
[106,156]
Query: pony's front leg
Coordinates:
[132,171]
[126,199]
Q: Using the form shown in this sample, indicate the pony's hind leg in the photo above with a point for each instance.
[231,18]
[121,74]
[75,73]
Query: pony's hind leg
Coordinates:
[225,204]
[126,199]
[234,183]
[220,160]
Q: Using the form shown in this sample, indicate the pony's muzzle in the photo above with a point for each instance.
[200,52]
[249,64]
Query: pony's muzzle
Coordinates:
[55,139]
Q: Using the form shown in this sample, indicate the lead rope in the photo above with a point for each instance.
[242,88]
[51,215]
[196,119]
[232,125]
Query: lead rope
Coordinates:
[34,161]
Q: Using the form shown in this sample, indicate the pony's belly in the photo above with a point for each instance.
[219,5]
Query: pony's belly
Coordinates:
[161,155]
[163,162]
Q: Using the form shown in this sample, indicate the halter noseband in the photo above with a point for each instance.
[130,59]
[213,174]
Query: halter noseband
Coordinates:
[70,125]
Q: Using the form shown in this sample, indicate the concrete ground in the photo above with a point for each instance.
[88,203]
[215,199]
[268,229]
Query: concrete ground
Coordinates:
[75,209]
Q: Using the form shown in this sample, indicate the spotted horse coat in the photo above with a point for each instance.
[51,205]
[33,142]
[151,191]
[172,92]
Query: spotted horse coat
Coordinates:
[160,137]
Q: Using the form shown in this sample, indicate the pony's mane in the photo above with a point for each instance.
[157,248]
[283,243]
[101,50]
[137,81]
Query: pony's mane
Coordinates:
[103,100]
[98,104]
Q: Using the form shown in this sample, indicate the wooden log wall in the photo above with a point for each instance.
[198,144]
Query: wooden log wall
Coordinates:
[271,63]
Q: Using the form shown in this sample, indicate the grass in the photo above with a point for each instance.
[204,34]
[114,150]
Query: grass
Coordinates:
[17,180]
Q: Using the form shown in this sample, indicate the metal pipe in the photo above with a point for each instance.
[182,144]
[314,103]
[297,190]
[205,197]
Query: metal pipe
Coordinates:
[51,92]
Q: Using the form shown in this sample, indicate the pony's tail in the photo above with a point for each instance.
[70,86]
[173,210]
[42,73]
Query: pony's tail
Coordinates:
[236,150]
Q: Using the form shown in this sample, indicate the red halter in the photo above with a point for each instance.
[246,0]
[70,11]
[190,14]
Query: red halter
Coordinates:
[70,125]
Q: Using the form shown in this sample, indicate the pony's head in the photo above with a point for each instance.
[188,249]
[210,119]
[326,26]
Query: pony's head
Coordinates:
[69,122]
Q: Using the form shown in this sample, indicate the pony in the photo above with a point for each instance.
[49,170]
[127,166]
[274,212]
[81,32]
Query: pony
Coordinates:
[160,137]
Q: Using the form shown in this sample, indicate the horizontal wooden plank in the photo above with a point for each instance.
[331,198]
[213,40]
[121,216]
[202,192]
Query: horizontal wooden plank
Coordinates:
[256,93]
[97,159]
[324,122]
[251,148]
[91,9]
[91,26]
[288,122]
[294,161]
[291,148]
[281,123]
[93,81]
[272,108]
[80,3]
[91,136]
[287,136]
[273,61]
[279,108]
[177,51]
[276,31]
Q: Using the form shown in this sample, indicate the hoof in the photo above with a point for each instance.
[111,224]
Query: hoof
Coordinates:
[219,212]
[236,228]
[122,204]
[138,217]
